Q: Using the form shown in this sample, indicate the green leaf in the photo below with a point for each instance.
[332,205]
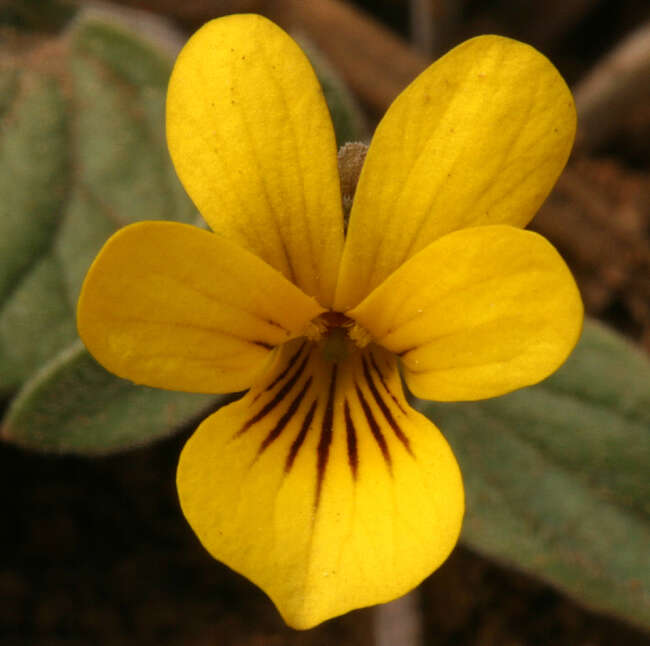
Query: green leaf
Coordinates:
[83,153]
[33,185]
[73,405]
[556,475]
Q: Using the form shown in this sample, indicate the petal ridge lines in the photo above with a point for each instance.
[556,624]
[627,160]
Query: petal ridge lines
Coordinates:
[327,428]
[399,433]
[284,420]
[280,395]
[374,429]
[300,438]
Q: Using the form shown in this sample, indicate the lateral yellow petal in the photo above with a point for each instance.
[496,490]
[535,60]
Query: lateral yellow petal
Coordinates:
[478,313]
[478,138]
[323,486]
[172,306]
[252,141]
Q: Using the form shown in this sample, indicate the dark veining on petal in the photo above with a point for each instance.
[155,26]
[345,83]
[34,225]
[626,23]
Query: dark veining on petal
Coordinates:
[290,362]
[351,432]
[374,429]
[327,430]
[276,324]
[300,438]
[280,395]
[384,384]
[263,344]
[392,422]
[285,419]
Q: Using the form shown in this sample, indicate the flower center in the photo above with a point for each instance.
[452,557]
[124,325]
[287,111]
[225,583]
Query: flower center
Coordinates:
[337,335]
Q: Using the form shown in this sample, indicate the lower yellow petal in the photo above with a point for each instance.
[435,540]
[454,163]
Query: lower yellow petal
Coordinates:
[323,486]
[172,306]
[476,314]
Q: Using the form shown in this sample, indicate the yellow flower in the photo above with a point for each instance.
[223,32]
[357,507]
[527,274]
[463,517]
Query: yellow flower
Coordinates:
[322,485]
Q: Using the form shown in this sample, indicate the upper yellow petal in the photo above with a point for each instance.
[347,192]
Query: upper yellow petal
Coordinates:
[478,313]
[252,141]
[480,137]
[172,306]
[323,486]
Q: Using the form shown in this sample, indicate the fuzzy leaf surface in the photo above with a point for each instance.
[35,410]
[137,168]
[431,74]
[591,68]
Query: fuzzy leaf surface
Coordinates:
[557,475]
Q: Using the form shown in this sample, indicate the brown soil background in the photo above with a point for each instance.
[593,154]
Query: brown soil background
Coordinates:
[97,552]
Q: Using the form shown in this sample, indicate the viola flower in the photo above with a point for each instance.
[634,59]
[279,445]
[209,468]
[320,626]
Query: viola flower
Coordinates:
[322,484]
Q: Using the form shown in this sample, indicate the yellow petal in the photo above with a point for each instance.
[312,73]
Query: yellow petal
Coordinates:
[252,142]
[476,314]
[478,138]
[173,306]
[323,486]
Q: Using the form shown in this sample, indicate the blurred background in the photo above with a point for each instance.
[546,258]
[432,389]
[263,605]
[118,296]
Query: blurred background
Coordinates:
[95,550]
